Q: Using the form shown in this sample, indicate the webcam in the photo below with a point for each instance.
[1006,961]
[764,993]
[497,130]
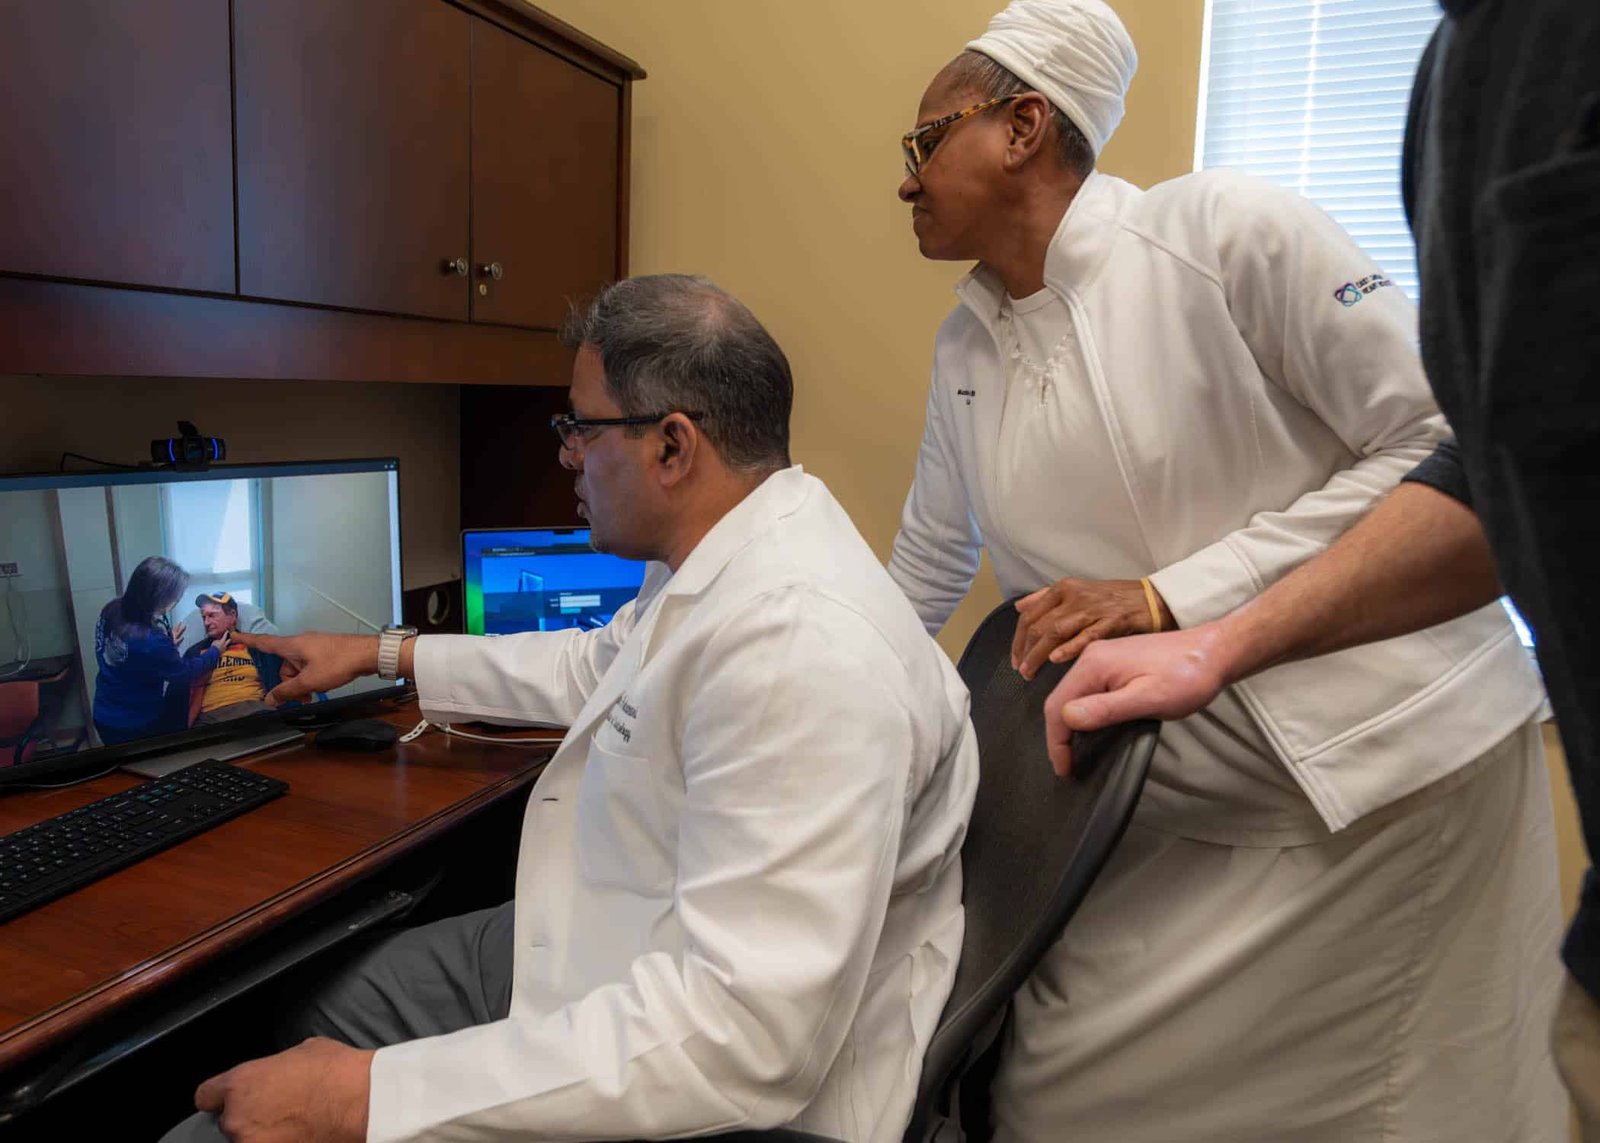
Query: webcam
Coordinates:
[189,450]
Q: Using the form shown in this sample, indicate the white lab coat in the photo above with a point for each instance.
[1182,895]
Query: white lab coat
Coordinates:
[1246,970]
[1253,417]
[738,894]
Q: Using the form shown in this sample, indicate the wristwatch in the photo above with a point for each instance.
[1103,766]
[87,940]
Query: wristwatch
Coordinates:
[389,641]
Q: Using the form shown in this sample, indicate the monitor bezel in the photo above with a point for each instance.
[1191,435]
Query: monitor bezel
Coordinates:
[91,762]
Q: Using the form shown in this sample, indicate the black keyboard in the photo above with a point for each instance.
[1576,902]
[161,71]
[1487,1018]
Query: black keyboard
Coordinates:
[66,852]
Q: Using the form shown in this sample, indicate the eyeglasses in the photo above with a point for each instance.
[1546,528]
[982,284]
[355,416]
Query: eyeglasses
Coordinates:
[572,430]
[918,147]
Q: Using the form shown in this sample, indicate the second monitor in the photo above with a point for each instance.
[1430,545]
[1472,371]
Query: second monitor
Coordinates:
[541,579]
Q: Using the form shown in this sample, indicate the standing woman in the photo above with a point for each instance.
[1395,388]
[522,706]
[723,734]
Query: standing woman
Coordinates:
[1334,917]
[143,684]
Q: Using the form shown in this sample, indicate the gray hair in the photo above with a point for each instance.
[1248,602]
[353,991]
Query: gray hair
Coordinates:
[679,343]
[975,71]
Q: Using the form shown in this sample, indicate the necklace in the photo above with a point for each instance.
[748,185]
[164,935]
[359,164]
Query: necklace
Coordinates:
[1036,377]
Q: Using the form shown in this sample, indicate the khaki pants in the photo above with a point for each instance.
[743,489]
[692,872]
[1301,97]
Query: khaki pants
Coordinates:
[1576,1044]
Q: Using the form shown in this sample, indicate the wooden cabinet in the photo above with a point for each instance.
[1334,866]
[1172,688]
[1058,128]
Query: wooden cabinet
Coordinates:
[353,150]
[545,190]
[115,142]
[293,184]
[372,132]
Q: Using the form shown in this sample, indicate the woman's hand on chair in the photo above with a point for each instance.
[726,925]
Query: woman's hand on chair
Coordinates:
[1056,623]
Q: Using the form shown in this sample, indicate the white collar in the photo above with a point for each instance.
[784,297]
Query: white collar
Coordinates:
[777,496]
[1078,250]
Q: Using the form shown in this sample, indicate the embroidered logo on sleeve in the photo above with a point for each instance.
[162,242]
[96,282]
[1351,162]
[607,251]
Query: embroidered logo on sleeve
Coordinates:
[967,393]
[1350,293]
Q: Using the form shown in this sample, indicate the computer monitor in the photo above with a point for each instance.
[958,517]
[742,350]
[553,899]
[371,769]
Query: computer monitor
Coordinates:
[541,579]
[113,585]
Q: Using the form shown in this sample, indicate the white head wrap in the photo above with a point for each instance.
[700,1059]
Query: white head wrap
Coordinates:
[1075,53]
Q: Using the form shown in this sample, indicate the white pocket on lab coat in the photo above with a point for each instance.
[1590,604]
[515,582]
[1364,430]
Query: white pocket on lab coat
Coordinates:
[623,841]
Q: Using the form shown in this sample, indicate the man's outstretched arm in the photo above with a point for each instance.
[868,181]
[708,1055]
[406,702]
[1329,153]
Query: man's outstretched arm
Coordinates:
[1418,559]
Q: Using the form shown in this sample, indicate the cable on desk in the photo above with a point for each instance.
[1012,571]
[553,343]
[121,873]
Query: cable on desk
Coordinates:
[421,728]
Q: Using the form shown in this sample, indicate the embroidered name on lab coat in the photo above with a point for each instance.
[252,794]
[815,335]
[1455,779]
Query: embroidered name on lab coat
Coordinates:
[621,717]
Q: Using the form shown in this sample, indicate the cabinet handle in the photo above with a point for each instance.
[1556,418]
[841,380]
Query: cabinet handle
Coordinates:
[456,266]
[492,270]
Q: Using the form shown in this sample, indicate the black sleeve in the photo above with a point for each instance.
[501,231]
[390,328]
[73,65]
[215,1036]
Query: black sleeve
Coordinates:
[1442,470]
[1416,126]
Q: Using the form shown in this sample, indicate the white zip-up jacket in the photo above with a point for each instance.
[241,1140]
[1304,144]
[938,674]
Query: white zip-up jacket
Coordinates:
[738,896]
[1258,383]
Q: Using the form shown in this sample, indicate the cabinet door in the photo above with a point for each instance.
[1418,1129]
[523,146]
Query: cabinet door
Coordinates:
[116,152]
[353,134]
[544,180]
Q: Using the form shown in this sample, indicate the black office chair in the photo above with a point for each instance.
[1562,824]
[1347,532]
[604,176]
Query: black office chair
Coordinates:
[1033,848]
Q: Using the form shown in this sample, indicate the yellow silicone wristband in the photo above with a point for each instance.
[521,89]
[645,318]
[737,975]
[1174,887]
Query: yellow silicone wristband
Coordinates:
[1155,606]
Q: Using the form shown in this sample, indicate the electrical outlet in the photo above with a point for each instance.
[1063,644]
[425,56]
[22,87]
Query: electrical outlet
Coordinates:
[9,569]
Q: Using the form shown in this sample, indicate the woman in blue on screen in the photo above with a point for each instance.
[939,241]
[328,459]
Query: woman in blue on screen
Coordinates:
[136,650]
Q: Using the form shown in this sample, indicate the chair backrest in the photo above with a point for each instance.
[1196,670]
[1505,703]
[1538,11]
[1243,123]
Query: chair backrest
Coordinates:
[19,711]
[1033,847]
[19,706]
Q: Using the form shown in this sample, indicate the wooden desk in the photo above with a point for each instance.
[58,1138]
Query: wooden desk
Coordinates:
[84,957]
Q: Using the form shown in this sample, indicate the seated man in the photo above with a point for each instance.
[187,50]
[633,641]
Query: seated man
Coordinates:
[251,620]
[240,682]
[738,900]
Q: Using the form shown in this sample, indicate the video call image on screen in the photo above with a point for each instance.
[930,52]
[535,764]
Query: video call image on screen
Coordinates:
[542,580]
[130,586]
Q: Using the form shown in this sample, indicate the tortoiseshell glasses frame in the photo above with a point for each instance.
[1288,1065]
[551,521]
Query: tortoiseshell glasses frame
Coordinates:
[917,151]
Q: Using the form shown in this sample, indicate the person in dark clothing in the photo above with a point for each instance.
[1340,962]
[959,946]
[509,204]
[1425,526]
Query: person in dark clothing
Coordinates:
[137,654]
[1501,177]
[1502,182]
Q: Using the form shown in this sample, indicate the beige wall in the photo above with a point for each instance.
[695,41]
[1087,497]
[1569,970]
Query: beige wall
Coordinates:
[766,155]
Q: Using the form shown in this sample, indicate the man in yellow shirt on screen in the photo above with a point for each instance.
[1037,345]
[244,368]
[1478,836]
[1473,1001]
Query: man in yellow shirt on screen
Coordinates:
[239,684]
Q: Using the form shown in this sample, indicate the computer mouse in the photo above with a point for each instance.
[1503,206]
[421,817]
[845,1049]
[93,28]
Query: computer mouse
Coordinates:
[358,734]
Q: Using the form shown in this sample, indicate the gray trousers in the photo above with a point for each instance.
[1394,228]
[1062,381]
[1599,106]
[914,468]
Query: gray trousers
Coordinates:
[425,981]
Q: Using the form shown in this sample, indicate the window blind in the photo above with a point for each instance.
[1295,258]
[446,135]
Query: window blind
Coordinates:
[1312,95]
